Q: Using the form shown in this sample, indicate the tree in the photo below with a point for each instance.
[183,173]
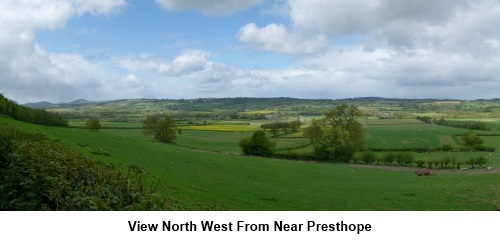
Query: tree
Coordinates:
[257,145]
[471,139]
[164,130]
[150,125]
[294,125]
[313,132]
[342,135]
[93,124]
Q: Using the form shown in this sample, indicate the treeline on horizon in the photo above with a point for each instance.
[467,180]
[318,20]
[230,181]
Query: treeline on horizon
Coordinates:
[464,125]
[30,115]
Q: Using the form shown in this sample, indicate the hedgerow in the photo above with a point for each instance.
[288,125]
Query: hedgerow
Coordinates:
[37,173]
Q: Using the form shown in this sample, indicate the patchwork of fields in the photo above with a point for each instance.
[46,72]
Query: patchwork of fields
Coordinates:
[205,171]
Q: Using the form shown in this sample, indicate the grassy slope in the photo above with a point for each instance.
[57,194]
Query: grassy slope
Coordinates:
[195,180]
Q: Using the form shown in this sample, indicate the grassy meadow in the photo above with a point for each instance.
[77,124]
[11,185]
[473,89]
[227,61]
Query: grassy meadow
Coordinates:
[205,171]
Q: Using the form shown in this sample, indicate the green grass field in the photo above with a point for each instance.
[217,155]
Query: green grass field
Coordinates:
[109,124]
[409,135]
[222,141]
[203,180]
[231,128]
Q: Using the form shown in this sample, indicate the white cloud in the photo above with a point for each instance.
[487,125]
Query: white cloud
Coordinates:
[185,64]
[275,37]
[341,48]
[209,7]
[52,75]
[340,17]
[412,48]
[26,66]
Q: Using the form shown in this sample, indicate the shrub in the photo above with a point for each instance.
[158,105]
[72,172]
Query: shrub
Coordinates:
[477,162]
[405,158]
[436,163]
[480,161]
[369,157]
[37,173]
[389,158]
[420,163]
[446,148]
[446,160]
[93,124]
[257,145]
[295,156]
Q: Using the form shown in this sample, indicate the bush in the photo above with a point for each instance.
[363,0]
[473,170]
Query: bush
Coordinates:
[257,145]
[446,160]
[420,163]
[477,162]
[295,156]
[446,148]
[369,157]
[37,173]
[389,158]
[405,158]
[93,124]
[480,161]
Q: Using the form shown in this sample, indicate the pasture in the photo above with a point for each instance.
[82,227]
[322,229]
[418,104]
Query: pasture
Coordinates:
[195,179]
[408,135]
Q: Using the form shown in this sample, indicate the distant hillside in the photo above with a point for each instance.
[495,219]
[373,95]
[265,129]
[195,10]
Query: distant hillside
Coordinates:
[48,105]
[39,105]
[79,102]
[230,103]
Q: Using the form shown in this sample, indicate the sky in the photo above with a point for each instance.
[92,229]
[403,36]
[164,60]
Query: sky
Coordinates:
[63,50]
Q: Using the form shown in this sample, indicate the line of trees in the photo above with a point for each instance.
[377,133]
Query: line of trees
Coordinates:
[407,159]
[464,125]
[285,127]
[26,114]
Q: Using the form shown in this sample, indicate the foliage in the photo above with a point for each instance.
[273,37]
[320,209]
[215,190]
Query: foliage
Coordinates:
[313,132]
[93,124]
[35,116]
[37,173]
[257,145]
[163,129]
[404,158]
[464,125]
[166,130]
[150,125]
[342,135]
[389,158]
[425,119]
[446,160]
[276,127]
[369,157]
[477,162]
[295,156]
[470,139]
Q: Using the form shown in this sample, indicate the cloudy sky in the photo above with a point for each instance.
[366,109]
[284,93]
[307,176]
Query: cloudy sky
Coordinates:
[62,50]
